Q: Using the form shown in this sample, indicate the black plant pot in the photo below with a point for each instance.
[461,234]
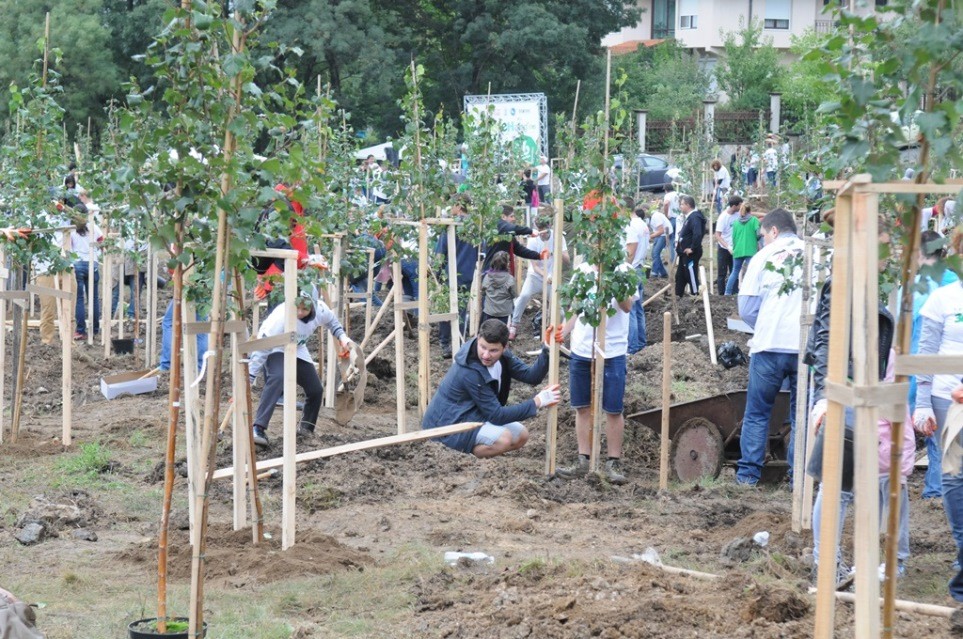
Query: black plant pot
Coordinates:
[122,346]
[147,629]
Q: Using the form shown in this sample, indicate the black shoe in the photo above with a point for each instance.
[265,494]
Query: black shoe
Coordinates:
[260,437]
[446,352]
[305,432]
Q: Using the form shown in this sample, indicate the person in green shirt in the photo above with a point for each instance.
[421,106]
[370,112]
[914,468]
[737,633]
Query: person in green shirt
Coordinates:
[745,243]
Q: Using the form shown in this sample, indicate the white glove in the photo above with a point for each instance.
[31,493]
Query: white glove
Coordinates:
[548,397]
[317,261]
[924,421]
[818,414]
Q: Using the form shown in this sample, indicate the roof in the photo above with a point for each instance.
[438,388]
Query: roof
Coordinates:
[633,45]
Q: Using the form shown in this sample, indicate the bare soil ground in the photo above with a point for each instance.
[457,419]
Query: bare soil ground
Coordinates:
[373,526]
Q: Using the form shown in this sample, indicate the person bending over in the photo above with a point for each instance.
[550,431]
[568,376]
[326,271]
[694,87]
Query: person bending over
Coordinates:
[312,314]
[476,389]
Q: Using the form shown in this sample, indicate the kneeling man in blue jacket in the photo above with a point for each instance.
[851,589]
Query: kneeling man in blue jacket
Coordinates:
[476,389]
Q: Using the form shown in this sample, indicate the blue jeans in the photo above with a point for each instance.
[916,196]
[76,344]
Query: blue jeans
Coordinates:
[767,372]
[81,272]
[132,301]
[167,329]
[732,286]
[751,176]
[409,278]
[933,480]
[658,269]
[637,334]
[672,241]
[953,505]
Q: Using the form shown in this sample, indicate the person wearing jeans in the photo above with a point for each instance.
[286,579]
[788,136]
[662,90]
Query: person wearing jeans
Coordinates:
[82,272]
[745,244]
[167,330]
[774,315]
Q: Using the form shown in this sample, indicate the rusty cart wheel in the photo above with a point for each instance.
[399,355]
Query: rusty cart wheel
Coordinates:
[696,451]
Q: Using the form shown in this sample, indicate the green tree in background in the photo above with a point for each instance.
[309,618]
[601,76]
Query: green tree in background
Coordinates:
[88,73]
[801,82]
[665,79]
[750,69]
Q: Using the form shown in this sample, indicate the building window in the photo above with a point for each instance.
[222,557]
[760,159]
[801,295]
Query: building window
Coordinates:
[881,3]
[777,14]
[688,14]
[663,19]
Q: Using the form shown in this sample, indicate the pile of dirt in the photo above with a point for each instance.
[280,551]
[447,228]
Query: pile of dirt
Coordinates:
[48,517]
[603,601]
[231,557]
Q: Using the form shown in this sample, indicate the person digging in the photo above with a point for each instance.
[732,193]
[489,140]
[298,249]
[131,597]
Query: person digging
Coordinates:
[312,314]
[476,389]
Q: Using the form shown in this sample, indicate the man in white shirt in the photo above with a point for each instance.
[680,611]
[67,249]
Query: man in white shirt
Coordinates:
[771,159]
[770,301]
[583,345]
[724,242]
[721,180]
[543,180]
[670,208]
[661,233]
[636,239]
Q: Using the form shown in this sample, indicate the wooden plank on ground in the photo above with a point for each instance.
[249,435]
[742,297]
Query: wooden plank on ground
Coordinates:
[380,442]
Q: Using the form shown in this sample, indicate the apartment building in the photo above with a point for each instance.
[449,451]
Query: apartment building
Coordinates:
[700,24]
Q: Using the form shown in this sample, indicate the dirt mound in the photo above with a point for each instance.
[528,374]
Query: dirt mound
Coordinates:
[30,445]
[231,557]
[773,603]
[601,601]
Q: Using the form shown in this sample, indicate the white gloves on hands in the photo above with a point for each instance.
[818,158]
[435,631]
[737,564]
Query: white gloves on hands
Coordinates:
[818,414]
[548,397]
[924,421]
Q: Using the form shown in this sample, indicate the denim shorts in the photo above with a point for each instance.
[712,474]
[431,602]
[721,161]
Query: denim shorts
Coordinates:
[613,383]
[489,433]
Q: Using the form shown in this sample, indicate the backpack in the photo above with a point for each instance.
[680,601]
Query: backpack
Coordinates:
[18,621]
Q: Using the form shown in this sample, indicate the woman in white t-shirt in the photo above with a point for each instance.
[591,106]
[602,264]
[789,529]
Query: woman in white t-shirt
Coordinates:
[85,244]
[721,180]
[941,333]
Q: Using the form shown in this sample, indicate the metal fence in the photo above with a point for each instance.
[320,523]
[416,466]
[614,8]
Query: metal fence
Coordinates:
[730,127]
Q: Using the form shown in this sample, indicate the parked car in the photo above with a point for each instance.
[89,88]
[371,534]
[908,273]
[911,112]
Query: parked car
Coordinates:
[652,171]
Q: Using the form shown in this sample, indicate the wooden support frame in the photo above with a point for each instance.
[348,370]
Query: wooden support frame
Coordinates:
[401,415]
[554,359]
[335,296]
[855,294]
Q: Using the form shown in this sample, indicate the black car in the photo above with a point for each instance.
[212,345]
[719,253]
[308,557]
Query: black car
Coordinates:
[652,171]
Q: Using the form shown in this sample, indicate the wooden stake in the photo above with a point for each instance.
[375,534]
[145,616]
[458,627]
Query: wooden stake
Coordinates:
[258,528]
[212,395]
[3,343]
[331,374]
[801,501]
[289,475]
[598,375]
[666,399]
[424,328]
[865,327]
[656,295]
[173,399]
[551,435]
[21,368]
[369,299]
[453,292]
[399,347]
[369,333]
[66,344]
[705,305]
[839,337]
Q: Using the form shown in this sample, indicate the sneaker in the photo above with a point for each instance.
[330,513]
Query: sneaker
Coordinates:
[746,484]
[260,437]
[613,472]
[80,336]
[900,571]
[579,469]
[511,333]
[844,574]
[305,432]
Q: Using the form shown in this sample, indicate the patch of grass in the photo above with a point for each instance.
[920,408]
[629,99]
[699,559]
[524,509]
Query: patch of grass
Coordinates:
[71,579]
[137,439]
[530,566]
[90,460]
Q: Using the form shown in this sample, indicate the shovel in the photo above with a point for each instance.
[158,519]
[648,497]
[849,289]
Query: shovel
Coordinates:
[354,379]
